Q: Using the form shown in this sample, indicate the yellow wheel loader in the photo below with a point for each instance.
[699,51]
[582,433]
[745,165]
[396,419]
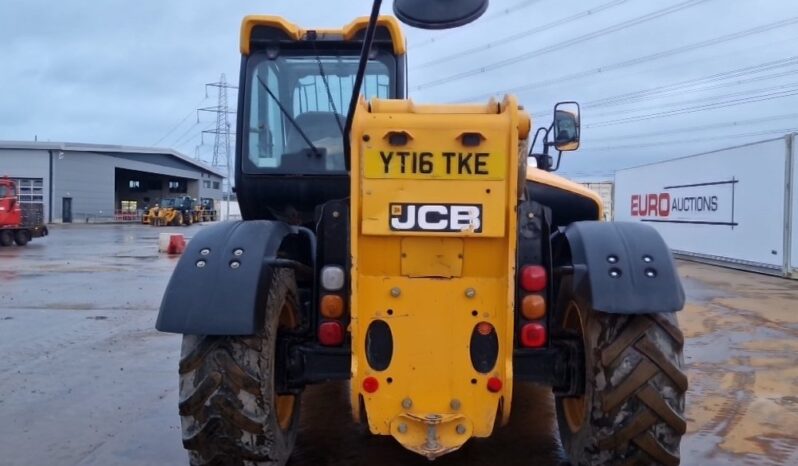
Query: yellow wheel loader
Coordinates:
[423,253]
[150,214]
[172,212]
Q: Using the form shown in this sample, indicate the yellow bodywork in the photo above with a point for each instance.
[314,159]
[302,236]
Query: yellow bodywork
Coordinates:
[550,179]
[150,215]
[163,216]
[433,288]
[296,33]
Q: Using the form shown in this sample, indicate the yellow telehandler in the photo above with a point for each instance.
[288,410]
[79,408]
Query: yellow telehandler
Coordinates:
[422,252]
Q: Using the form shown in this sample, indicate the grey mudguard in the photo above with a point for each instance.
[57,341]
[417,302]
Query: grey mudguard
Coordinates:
[216,298]
[624,268]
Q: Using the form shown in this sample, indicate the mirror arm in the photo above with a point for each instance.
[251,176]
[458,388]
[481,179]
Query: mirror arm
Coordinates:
[535,139]
[546,142]
[559,157]
[361,72]
[542,159]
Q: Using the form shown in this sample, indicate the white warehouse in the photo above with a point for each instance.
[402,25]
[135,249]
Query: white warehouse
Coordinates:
[90,182]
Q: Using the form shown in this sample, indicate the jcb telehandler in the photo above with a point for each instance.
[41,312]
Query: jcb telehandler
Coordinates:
[204,210]
[409,249]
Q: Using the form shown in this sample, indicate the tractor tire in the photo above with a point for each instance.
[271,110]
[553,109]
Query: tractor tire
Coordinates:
[6,237]
[632,411]
[229,410]
[22,237]
[177,220]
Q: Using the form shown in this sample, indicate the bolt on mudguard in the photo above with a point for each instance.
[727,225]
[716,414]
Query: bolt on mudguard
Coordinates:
[221,282]
[623,268]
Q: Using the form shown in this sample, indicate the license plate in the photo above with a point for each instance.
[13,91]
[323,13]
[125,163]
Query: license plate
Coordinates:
[434,164]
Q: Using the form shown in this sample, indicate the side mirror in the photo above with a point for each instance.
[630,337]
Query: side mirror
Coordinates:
[566,126]
[438,14]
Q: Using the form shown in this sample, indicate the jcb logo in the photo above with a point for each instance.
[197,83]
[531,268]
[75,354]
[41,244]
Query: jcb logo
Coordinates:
[436,217]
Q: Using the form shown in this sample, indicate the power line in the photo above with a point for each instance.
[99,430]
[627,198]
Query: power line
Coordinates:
[523,34]
[174,128]
[694,140]
[183,120]
[498,14]
[176,142]
[751,121]
[698,108]
[561,45]
[710,99]
[639,60]
[700,89]
[191,137]
[683,87]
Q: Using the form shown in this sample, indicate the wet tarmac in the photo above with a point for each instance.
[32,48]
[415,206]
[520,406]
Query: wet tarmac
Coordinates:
[86,380]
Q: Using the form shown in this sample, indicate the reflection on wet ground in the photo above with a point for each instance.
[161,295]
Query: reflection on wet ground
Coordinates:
[742,355]
[86,380]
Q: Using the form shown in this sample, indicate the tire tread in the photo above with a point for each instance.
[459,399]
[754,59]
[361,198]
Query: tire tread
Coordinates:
[637,387]
[225,395]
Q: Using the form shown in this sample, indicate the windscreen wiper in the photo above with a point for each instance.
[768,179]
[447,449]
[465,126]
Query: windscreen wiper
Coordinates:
[316,150]
[327,87]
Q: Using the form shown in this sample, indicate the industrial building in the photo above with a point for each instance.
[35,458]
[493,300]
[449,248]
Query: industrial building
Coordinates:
[94,182]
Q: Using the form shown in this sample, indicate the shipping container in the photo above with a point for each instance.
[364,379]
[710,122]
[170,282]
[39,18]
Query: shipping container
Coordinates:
[734,206]
[604,190]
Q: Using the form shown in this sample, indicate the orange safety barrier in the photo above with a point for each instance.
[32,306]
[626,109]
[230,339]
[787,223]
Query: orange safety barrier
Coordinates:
[177,243]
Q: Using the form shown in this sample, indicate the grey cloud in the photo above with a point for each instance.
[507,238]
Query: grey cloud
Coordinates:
[118,71]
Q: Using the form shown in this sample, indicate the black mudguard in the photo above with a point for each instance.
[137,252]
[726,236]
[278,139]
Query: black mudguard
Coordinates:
[213,297]
[611,270]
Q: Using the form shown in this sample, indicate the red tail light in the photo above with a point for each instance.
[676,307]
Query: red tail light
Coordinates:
[533,335]
[533,278]
[370,384]
[494,385]
[331,333]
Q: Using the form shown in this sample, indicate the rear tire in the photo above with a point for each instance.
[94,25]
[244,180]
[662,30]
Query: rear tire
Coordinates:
[632,412]
[230,412]
[6,237]
[177,220]
[22,237]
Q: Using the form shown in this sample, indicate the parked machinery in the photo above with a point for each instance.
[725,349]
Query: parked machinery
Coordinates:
[19,222]
[150,214]
[173,211]
[410,250]
[204,210]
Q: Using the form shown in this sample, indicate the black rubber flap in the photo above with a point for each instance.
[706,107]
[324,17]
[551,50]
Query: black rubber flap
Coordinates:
[624,268]
[220,284]
[439,14]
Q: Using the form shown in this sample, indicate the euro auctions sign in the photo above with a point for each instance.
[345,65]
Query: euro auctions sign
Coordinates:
[707,203]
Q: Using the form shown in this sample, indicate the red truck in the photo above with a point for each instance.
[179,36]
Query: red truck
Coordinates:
[19,223]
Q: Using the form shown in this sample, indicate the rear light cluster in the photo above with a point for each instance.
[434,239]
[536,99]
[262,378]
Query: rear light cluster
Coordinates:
[332,306]
[533,281]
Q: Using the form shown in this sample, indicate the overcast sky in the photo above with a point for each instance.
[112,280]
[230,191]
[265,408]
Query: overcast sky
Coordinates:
[657,78]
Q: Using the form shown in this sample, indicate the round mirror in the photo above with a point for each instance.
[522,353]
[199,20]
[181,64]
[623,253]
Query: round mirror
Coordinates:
[438,14]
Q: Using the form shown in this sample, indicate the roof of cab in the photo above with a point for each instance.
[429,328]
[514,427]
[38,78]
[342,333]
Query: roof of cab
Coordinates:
[347,33]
